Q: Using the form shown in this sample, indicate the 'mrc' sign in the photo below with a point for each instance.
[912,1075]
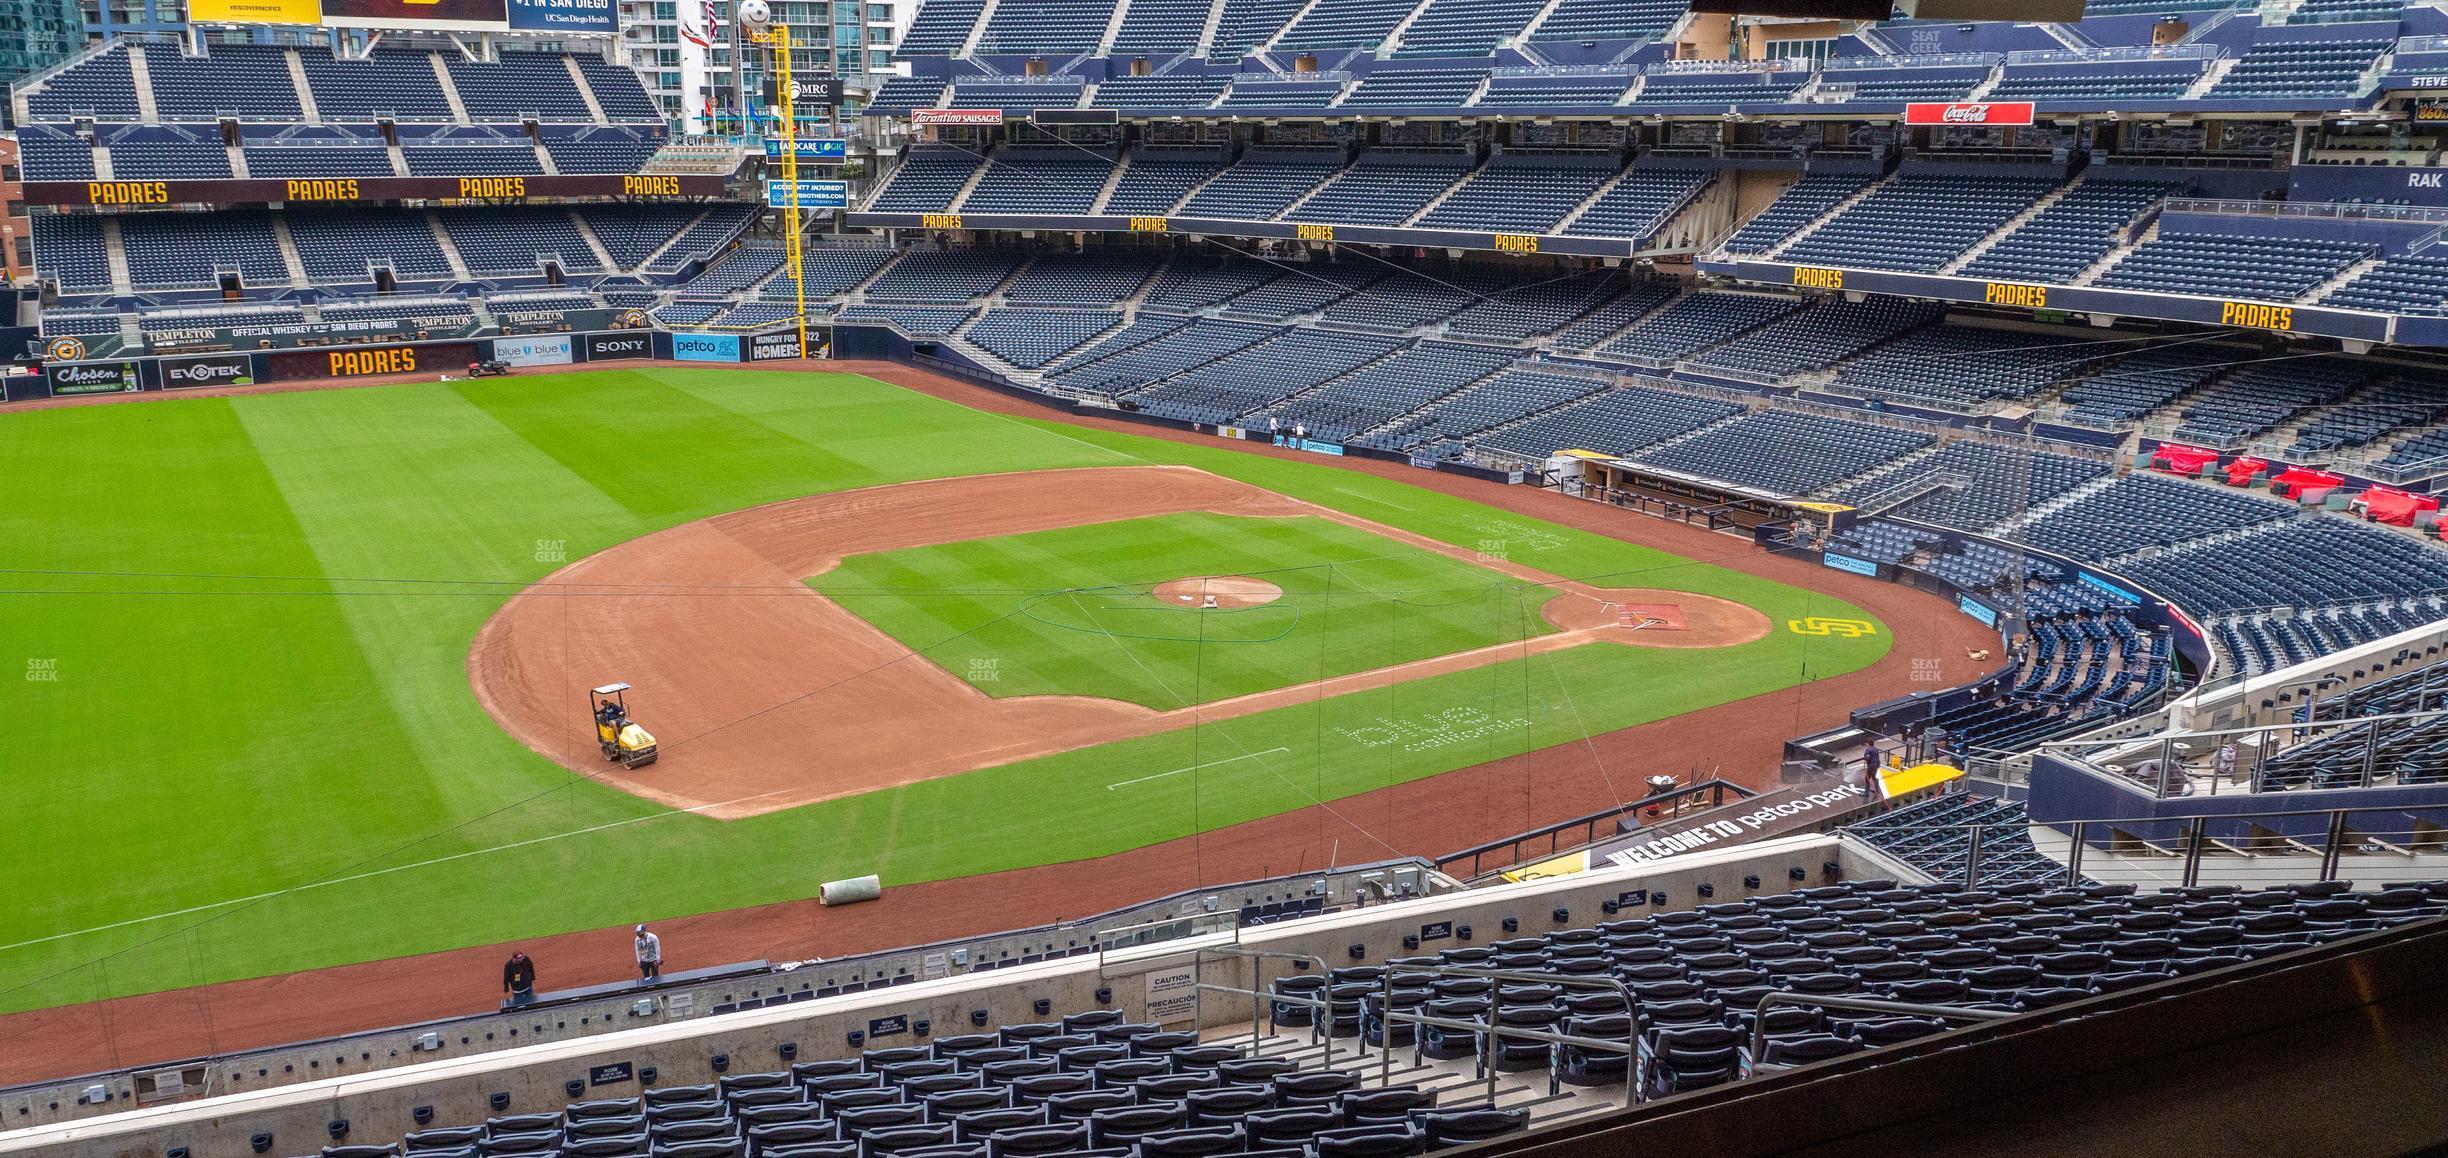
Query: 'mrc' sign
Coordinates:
[1969,113]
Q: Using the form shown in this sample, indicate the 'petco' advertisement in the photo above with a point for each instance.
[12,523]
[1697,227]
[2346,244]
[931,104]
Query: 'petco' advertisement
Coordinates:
[534,350]
[769,347]
[705,347]
[214,370]
[91,378]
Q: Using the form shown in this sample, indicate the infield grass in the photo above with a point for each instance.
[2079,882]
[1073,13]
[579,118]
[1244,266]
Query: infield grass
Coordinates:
[244,741]
[1068,611]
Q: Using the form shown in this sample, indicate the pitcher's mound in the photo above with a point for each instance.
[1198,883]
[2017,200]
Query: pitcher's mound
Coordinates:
[1220,592]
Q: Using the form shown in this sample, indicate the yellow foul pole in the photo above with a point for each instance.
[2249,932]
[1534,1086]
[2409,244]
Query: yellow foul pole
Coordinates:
[778,36]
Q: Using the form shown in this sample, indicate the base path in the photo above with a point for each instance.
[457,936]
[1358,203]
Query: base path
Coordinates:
[1740,741]
[765,694]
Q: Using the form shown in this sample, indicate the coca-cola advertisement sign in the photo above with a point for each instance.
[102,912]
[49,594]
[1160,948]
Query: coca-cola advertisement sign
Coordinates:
[1969,113]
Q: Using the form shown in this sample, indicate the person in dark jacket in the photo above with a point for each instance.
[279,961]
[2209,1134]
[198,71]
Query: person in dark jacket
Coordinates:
[518,978]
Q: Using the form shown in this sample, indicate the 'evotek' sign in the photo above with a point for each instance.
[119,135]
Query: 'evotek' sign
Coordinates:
[215,370]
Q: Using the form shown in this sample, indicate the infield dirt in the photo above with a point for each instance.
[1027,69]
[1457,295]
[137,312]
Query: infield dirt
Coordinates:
[767,695]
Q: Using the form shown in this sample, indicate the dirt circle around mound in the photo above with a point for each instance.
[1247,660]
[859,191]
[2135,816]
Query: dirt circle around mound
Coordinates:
[1229,592]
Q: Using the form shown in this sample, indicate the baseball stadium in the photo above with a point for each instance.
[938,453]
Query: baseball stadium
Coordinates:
[1324,578]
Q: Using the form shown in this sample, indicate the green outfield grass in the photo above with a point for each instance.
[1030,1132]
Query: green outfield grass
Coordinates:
[244,741]
[1067,612]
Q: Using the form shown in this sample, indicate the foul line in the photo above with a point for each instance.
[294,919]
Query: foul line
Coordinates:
[1194,768]
[393,869]
[1374,499]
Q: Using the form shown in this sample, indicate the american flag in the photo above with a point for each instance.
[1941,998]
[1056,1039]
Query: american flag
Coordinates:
[701,33]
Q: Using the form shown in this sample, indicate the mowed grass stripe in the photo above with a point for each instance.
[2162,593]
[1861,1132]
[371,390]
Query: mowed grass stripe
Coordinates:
[1068,611]
[328,463]
[149,739]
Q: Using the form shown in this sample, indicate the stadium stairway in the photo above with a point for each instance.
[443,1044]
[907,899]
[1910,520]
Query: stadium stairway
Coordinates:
[603,257]
[290,261]
[2051,507]
[450,92]
[449,248]
[1826,215]
[1113,180]
[977,174]
[2014,223]
[2116,253]
[585,90]
[651,258]
[123,281]
[141,73]
[2343,278]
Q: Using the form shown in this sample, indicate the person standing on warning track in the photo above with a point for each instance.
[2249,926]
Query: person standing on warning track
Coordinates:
[518,978]
[649,955]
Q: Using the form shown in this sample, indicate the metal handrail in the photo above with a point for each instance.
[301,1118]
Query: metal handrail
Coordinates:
[1259,997]
[1922,60]
[2126,54]
[1477,854]
[1759,1020]
[2315,210]
[1495,1029]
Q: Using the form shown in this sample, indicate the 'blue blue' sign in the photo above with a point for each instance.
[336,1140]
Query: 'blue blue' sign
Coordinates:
[1849,563]
[1977,610]
[812,194]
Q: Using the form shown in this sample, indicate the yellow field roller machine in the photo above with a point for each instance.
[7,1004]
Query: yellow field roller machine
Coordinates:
[619,736]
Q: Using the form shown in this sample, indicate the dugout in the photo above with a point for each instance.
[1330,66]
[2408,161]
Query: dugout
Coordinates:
[1690,498]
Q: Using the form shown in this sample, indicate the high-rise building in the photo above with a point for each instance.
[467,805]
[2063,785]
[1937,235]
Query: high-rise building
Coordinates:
[39,34]
[110,17]
[845,38]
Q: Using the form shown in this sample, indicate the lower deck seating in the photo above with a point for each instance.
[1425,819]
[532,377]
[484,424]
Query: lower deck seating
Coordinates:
[1972,485]
[1935,837]
[1029,339]
[1786,452]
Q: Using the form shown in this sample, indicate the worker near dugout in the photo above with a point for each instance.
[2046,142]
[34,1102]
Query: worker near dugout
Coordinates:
[649,955]
[518,978]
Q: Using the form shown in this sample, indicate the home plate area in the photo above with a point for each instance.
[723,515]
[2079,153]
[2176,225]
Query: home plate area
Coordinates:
[1648,616]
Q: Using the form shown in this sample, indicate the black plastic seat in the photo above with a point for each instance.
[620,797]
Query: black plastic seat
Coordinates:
[1036,1140]
[1804,1050]
[1891,1030]
[1442,1128]
[1290,1125]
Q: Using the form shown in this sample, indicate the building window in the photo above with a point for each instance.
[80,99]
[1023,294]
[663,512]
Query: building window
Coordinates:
[1803,53]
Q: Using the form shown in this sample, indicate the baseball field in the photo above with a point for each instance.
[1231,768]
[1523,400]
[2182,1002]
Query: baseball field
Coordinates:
[303,673]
